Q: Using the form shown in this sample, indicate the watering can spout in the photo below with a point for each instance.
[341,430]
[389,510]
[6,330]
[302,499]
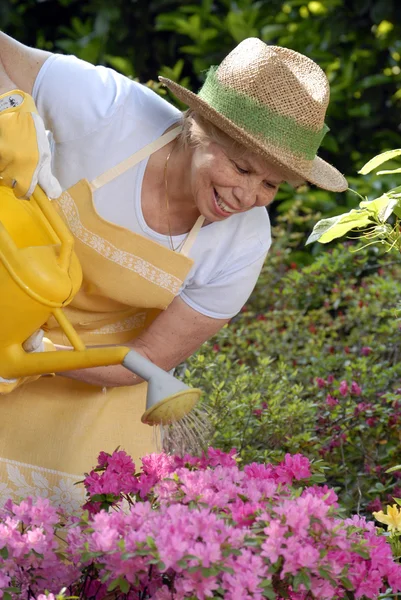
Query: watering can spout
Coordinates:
[168,399]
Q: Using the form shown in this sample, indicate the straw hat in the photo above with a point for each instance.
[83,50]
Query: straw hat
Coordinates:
[272,100]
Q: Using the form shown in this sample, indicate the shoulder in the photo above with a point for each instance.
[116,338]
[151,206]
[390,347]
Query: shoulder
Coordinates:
[231,245]
[248,235]
[254,223]
[68,89]
[20,62]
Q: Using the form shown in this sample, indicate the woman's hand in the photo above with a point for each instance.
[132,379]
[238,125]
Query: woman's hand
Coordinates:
[25,158]
[24,148]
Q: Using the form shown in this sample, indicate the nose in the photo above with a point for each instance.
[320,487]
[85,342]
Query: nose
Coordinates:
[245,194]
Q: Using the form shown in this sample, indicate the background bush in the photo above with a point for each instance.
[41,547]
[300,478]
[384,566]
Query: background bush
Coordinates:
[312,365]
[357,43]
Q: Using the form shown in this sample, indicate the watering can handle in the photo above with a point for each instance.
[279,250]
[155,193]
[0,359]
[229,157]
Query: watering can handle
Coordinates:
[61,230]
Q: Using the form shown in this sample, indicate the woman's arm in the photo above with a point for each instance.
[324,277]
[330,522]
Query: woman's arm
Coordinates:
[19,64]
[172,337]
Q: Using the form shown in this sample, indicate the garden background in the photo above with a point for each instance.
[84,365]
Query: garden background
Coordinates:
[311,364]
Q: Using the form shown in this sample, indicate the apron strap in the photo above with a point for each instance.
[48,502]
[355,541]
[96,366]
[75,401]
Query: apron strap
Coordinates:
[186,248]
[134,159]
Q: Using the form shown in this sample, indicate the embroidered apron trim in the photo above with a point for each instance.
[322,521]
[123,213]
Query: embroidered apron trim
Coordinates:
[129,261]
[57,486]
[127,324]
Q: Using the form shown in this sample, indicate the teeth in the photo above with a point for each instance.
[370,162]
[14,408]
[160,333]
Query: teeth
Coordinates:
[222,204]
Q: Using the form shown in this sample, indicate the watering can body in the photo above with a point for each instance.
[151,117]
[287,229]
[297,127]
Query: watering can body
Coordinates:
[35,276]
[39,275]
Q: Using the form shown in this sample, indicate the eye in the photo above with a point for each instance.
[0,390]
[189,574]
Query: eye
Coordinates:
[239,169]
[269,186]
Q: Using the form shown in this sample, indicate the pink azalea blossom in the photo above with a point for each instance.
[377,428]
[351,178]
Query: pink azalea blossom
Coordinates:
[356,390]
[331,400]
[366,350]
[199,527]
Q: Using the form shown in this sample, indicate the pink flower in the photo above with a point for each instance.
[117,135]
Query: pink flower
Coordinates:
[275,539]
[118,476]
[295,466]
[121,462]
[366,350]
[343,389]
[320,382]
[102,459]
[216,457]
[208,525]
[259,471]
[355,389]
[331,400]
[327,494]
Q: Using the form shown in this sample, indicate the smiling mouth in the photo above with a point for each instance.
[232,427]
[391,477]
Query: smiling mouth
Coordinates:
[222,205]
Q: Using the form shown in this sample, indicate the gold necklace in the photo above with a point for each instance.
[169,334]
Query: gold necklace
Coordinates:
[180,245]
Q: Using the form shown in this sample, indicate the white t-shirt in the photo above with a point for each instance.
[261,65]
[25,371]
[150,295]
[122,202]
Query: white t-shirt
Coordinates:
[97,118]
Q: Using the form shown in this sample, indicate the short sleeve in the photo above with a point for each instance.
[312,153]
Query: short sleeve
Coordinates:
[224,296]
[75,98]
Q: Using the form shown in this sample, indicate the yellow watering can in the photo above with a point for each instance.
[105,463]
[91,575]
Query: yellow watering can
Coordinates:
[39,275]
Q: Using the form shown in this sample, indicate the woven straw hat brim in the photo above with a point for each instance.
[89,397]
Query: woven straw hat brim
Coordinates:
[317,171]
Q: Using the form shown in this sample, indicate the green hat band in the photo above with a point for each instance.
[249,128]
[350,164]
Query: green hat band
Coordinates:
[259,120]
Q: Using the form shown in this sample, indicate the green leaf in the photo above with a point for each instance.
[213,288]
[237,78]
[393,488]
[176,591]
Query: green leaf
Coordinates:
[347,583]
[327,230]
[388,172]
[151,543]
[381,208]
[302,578]
[121,64]
[392,469]
[378,160]
[121,583]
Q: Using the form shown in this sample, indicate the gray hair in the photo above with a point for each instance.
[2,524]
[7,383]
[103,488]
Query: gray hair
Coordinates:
[198,131]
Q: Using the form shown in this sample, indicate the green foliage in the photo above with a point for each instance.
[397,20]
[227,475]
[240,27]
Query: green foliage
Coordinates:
[358,44]
[268,375]
[371,220]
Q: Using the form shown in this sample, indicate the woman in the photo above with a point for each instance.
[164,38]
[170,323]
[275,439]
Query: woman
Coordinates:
[171,241]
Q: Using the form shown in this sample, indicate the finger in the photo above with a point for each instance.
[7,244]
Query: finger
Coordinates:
[33,343]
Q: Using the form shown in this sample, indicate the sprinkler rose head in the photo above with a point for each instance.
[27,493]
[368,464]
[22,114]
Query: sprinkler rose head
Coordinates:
[168,399]
[173,408]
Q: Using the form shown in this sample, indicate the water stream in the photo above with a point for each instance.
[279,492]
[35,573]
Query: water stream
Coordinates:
[190,435]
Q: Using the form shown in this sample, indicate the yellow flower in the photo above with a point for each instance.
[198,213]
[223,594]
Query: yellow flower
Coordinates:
[392,518]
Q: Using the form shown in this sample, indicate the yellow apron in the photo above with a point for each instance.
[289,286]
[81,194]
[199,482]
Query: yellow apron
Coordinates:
[52,430]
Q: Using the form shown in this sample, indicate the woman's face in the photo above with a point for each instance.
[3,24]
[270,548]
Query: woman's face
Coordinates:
[223,184]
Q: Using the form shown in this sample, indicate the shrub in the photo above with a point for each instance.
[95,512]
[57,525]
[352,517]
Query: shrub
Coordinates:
[195,528]
[332,321]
